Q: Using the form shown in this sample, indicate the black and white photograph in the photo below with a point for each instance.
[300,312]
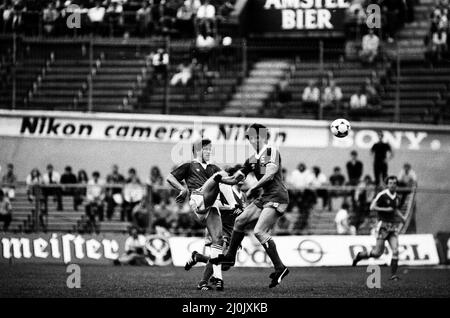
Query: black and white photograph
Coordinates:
[224,153]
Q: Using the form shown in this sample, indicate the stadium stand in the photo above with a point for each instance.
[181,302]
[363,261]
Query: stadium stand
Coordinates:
[68,220]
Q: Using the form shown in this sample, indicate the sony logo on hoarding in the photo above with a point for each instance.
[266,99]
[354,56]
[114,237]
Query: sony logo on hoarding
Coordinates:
[407,252]
[367,137]
[41,248]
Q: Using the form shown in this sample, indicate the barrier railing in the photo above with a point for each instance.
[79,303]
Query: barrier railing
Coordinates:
[153,197]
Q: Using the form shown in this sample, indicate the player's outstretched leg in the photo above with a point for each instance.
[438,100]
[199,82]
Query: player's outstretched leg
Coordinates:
[266,222]
[249,215]
[375,253]
[195,258]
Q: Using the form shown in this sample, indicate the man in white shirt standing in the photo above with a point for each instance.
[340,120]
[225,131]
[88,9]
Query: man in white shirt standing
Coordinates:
[52,178]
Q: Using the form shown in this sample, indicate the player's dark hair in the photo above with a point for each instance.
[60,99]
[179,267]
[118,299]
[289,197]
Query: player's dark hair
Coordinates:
[391,178]
[196,147]
[258,130]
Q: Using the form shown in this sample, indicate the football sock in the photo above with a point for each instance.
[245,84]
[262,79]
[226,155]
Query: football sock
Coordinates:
[271,250]
[364,255]
[394,266]
[201,258]
[217,269]
[236,239]
[207,273]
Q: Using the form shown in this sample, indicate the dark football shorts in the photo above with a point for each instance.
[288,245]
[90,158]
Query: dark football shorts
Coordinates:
[386,229]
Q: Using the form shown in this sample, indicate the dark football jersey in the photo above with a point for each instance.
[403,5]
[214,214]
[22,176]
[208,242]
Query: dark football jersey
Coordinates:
[385,200]
[194,174]
[275,189]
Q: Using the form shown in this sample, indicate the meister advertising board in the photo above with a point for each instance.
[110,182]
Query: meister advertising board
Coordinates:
[297,15]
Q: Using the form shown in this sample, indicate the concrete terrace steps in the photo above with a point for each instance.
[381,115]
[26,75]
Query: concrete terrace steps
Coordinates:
[251,95]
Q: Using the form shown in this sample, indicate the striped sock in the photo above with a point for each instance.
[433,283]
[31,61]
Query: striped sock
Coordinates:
[217,269]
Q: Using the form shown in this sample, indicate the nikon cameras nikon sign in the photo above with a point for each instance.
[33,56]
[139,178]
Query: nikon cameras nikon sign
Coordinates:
[297,15]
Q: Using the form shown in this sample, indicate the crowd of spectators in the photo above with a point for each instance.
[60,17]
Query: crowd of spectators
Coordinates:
[329,96]
[309,187]
[113,17]
[437,38]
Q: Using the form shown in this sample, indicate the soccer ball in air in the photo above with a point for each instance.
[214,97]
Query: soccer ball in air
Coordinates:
[340,127]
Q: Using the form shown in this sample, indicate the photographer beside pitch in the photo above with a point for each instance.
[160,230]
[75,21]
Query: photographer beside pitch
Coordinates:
[387,205]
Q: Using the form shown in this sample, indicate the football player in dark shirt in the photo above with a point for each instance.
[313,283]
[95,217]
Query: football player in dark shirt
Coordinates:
[269,205]
[387,204]
[232,201]
[202,190]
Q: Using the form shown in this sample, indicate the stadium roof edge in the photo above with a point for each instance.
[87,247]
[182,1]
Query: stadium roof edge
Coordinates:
[139,117]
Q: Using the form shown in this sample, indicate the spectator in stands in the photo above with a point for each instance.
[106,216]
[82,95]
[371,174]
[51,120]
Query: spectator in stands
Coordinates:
[168,19]
[133,193]
[337,179]
[49,17]
[82,179]
[144,22]
[155,181]
[69,178]
[332,96]
[5,211]
[299,178]
[160,63]
[185,18]
[33,179]
[9,182]
[184,74]
[225,9]
[369,47]
[164,216]
[204,44]
[95,194]
[206,17]
[311,95]
[283,97]
[50,179]
[358,101]
[373,98]
[114,14]
[342,220]
[317,181]
[394,13]
[438,44]
[382,153]
[114,194]
[364,194]
[135,252]
[406,178]
[140,215]
[354,169]
[96,16]
[7,17]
